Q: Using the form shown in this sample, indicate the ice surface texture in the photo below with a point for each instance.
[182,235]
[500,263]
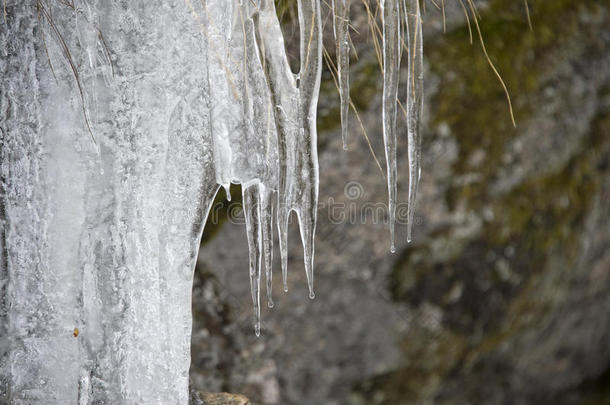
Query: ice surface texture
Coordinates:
[119,123]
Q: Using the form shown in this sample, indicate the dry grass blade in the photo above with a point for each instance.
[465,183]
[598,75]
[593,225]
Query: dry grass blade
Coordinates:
[444,18]
[433,3]
[375,32]
[467,20]
[101,37]
[313,25]
[46,49]
[476,22]
[46,13]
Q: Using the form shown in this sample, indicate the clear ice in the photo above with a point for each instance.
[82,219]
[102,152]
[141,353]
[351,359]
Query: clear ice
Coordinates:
[119,123]
[415,100]
[391,70]
[392,13]
[341,31]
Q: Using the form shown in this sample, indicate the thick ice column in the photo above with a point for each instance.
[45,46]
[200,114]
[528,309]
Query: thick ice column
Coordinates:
[37,298]
[99,241]
[189,190]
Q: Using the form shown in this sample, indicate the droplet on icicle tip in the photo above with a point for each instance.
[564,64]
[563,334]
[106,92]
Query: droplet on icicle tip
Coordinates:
[227,188]
[270,303]
[312,295]
[285,287]
[257,329]
[393,249]
[345,146]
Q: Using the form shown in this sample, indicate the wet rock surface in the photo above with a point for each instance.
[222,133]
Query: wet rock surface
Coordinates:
[504,295]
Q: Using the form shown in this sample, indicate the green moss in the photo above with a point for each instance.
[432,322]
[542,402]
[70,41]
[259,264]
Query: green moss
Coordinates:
[542,216]
[537,219]
[471,100]
[538,215]
[409,384]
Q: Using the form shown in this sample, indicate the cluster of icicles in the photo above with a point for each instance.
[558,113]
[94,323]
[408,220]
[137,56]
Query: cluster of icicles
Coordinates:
[274,154]
[262,116]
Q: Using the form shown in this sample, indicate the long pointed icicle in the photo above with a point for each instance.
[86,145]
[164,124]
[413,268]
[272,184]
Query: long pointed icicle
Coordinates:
[305,171]
[284,96]
[251,201]
[266,200]
[391,67]
[259,119]
[341,30]
[415,99]
[295,98]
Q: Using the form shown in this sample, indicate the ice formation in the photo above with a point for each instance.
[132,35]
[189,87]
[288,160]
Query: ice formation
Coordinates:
[341,31]
[392,12]
[415,100]
[119,123]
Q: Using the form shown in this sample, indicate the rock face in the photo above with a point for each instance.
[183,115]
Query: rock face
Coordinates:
[504,296]
[222,398]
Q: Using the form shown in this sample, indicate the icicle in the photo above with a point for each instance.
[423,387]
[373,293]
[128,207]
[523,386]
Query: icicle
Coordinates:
[391,67]
[305,172]
[282,85]
[222,98]
[262,140]
[266,199]
[415,96]
[341,30]
[295,98]
[227,188]
[251,201]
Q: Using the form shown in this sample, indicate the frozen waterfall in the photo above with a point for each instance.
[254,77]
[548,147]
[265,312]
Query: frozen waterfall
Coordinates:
[119,121]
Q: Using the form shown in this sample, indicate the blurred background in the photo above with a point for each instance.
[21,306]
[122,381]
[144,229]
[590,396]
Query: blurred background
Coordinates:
[503,297]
